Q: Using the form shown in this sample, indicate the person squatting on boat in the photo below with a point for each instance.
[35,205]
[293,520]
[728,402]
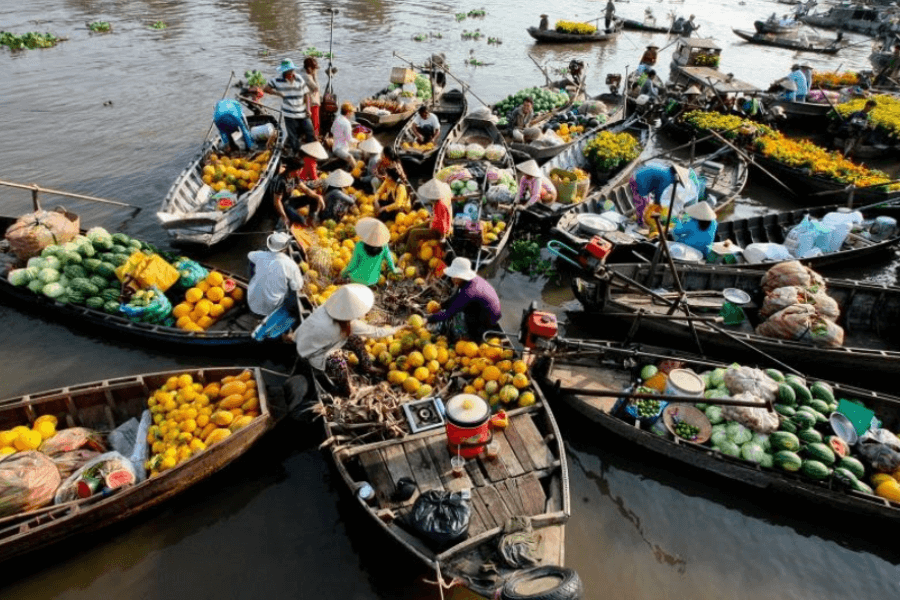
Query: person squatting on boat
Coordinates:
[441,224]
[276,278]
[533,186]
[287,204]
[322,336]
[473,309]
[392,197]
[696,227]
[229,118]
[658,181]
[519,119]
[370,252]
[425,125]
[295,101]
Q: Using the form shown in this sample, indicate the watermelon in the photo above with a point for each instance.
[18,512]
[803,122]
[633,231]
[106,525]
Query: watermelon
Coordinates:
[86,250]
[102,244]
[787,460]
[135,245]
[110,294]
[822,391]
[752,452]
[95,302]
[775,375]
[819,406]
[837,445]
[785,410]
[845,477]
[48,275]
[107,270]
[782,440]
[71,258]
[814,469]
[50,250]
[856,467]
[788,426]
[91,264]
[804,419]
[75,297]
[100,282]
[863,488]
[786,395]
[801,391]
[111,307]
[36,262]
[120,238]
[118,478]
[730,448]
[51,262]
[819,452]
[810,436]
[119,249]
[74,271]
[120,259]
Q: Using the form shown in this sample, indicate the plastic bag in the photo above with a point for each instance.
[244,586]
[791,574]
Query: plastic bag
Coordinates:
[495,153]
[826,306]
[764,252]
[499,194]
[35,231]
[69,462]
[882,449]
[191,272]
[130,439]
[73,438]
[801,323]
[780,298]
[758,419]
[100,467]
[27,481]
[441,518]
[456,151]
[790,273]
[474,151]
[748,379]
[156,311]
[801,238]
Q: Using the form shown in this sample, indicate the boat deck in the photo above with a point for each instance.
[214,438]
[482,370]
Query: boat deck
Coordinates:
[507,486]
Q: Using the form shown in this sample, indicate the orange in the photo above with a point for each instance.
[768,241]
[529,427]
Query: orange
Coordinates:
[216,311]
[227,303]
[182,322]
[215,293]
[237,293]
[214,278]
[181,310]
[421,373]
[193,295]
[203,307]
[491,373]
[205,322]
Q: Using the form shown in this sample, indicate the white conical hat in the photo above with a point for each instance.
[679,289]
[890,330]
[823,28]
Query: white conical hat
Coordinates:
[372,232]
[316,150]
[701,211]
[339,178]
[530,167]
[349,302]
[370,145]
[435,189]
[682,174]
[692,91]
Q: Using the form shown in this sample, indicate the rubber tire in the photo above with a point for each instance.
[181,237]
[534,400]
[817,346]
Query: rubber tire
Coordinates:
[569,588]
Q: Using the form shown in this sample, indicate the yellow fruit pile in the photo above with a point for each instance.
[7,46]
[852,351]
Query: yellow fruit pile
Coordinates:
[493,373]
[234,174]
[358,169]
[568,133]
[188,416]
[887,485]
[21,438]
[417,146]
[491,232]
[206,303]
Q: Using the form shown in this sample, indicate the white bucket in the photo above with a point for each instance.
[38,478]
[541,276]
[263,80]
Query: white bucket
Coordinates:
[262,133]
[682,382]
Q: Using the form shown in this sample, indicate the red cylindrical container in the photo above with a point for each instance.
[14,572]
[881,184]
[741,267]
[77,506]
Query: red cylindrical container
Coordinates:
[468,424]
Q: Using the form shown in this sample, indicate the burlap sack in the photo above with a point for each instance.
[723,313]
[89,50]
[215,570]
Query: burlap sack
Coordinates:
[28,481]
[801,323]
[35,231]
[791,273]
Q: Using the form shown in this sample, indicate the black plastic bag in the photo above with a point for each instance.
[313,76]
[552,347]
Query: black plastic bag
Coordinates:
[440,518]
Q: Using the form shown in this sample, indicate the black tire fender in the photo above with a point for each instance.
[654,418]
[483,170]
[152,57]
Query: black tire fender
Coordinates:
[569,586]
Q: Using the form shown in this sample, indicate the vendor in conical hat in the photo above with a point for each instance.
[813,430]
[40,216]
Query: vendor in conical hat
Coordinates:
[698,230]
[337,200]
[370,252]
[312,153]
[533,186]
[438,194]
[336,325]
[473,309]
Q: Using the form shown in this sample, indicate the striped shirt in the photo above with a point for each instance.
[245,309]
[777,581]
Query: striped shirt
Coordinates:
[293,104]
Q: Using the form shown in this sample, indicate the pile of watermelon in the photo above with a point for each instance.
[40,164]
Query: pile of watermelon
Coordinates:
[82,271]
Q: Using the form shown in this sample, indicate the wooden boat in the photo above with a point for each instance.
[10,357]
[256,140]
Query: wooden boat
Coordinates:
[482,131]
[378,122]
[868,314]
[543,153]
[551,36]
[772,26]
[871,20]
[233,329]
[528,479]
[800,110]
[450,108]
[635,25]
[595,368]
[809,44]
[190,216]
[725,174]
[696,62]
[102,406]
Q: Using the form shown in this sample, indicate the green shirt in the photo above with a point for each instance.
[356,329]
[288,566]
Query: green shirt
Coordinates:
[366,269]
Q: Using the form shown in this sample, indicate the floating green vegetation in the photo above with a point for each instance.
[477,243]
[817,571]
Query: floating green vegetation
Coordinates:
[100,26]
[460,16]
[315,53]
[476,13]
[30,40]
[495,41]
[158,25]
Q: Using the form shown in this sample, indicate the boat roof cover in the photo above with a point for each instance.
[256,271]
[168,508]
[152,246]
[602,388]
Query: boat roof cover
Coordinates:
[707,76]
[698,43]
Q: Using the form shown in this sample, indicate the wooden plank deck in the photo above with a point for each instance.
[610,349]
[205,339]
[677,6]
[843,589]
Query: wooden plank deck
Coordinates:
[501,488]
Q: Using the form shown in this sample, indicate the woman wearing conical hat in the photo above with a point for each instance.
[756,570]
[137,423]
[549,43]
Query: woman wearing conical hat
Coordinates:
[699,229]
[370,253]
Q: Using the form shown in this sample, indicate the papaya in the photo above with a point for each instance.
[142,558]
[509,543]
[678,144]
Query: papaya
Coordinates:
[250,404]
[231,401]
[222,418]
[240,422]
[207,429]
[212,391]
[233,387]
[252,413]
[219,434]
[245,376]
[237,412]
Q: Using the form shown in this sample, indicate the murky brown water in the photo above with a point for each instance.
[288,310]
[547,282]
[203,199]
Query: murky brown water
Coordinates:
[273,524]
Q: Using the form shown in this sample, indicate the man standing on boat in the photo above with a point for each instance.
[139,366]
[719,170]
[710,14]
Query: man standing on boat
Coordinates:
[229,117]
[545,25]
[857,125]
[689,27]
[799,79]
[294,106]
[610,14]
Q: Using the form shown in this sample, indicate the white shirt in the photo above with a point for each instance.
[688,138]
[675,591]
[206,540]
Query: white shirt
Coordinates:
[275,273]
[431,120]
[342,132]
[319,335]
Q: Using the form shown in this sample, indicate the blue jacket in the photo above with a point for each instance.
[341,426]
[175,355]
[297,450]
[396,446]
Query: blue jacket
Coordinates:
[688,232]
[229,117]
[653,178]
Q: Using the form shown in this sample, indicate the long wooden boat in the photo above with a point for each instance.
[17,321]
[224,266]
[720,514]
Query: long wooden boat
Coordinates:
[810,44]
[869,315]
[551,36]
[770,26]
[102,406]
[543,153]
[482,131]
[635,25]
[190,216]
[598,367]
[233,329]
[725,173]
[450,108]
[800,110]
[528,479]
[870,20]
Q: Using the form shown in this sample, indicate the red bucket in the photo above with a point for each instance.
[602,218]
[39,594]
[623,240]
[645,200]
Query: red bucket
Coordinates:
[468,425]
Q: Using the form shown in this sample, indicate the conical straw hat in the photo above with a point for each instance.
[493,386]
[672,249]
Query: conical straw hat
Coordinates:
[370,145]
[372,232]
[315,149]
[349,302]
[530,167]
[701,211]
[339,178]
[435,189]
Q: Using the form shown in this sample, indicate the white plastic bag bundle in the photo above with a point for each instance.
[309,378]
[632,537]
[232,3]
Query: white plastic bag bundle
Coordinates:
[747,379]
[759,420]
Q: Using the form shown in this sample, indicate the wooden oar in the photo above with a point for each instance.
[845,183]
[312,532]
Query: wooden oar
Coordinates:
[559,389]
[546,75]
[35,189]
[749,159]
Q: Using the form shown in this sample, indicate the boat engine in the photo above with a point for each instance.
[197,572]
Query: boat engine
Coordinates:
[537,327]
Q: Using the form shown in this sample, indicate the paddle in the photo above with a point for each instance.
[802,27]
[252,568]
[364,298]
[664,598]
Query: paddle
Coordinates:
[544,71]
[35,189]
[465,86]
[749,159]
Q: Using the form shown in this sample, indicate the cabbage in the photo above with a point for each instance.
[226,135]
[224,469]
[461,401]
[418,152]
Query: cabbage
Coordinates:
[714,414]
[456,151]
[48,275]
[474,151]
[53,290]
[730,448]
[765,460]
[718,437]
[70,247]
[472,185]
[37,262]
[36,286]
[717,378]
[98,233]
[738,434]
[19,277]
[752,451]
[52,262]
[50,250]
[701,406]
[763,440]
[32,273]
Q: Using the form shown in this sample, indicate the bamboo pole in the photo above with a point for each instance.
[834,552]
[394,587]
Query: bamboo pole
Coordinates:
[35,189]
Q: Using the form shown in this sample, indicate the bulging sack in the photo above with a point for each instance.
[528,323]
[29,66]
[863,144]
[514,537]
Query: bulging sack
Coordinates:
[441,517]
[35,231]
[28,481]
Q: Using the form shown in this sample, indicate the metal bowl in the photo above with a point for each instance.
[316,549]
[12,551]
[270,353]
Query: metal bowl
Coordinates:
[736,296]
[684,253]
[843,428]
[594,224]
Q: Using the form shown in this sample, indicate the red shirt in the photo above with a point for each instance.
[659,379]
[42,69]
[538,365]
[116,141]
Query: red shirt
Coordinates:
[309,171]
[441,221]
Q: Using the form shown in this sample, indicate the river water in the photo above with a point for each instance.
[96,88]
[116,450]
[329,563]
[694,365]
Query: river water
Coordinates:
[118,115]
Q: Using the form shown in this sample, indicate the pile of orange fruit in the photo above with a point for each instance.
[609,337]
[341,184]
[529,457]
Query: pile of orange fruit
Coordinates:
[236,175]
[21,437]
[205,303]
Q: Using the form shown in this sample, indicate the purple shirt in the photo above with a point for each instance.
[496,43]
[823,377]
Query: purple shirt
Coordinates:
[477,299]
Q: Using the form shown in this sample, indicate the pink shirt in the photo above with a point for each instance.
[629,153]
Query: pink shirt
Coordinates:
[342,132]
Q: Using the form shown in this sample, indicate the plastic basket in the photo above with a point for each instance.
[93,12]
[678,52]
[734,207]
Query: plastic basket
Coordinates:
[565,190]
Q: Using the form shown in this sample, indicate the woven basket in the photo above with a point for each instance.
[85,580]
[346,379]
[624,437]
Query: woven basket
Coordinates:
[35,231]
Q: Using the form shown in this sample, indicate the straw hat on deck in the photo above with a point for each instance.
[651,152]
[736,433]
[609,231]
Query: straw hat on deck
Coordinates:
[339,178]
[370,145]
[315,149]
[701,211]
